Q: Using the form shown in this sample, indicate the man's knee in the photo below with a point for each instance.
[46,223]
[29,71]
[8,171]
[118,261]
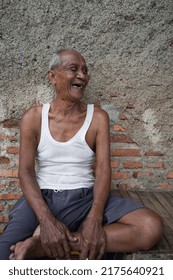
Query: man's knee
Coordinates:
[151,229]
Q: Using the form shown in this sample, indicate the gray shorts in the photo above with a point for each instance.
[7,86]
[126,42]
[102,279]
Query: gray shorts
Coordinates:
[69,206]
[72,206]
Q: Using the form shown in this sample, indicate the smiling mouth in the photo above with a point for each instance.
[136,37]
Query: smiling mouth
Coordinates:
[77,86]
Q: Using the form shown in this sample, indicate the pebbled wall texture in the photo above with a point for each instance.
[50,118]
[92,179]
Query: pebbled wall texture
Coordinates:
[128,46]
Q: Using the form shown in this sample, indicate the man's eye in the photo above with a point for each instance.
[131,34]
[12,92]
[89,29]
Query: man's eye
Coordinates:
[73,69]
[85,71]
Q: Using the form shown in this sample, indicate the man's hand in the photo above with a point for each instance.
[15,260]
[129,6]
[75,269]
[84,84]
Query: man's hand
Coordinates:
[93,240]
[55,238]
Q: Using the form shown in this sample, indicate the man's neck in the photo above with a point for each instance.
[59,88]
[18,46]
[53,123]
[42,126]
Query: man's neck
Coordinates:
[65,108]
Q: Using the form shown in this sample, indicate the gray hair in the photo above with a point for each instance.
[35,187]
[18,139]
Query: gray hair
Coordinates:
[55,61]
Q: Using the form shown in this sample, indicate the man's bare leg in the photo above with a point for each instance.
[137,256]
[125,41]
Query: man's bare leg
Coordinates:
[139,230]
[32,248]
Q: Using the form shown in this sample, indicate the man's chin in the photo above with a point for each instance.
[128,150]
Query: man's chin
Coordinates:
[77,95]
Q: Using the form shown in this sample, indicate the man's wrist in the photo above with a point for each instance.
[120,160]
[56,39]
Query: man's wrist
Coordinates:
[44,215]
[95,216]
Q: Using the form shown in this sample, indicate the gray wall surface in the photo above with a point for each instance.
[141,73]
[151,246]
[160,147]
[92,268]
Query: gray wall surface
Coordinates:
[128,46]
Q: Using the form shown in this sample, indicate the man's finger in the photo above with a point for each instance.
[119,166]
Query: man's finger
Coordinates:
[60,251]
[66,250]
[100,253]
[84,254]
[47,249]
[71,237]
[93,253]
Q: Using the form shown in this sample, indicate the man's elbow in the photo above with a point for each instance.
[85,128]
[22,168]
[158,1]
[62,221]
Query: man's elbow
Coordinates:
[25,173]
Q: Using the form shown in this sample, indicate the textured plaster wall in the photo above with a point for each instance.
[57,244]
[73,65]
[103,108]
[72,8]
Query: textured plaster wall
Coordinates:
[128,45]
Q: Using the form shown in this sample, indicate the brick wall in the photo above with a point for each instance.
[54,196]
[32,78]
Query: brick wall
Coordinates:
[132,168]
[9,183]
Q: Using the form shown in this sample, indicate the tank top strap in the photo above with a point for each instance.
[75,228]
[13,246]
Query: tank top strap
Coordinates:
[89,116]
[44,123]
[45,111]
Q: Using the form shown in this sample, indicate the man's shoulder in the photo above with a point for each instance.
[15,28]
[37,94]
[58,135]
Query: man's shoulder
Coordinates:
[33,111]
[100,113]
[32,115]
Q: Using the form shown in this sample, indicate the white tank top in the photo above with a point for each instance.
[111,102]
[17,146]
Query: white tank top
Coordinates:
[64,165]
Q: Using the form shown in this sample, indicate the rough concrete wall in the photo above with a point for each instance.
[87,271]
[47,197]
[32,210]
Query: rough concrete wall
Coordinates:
[128,45]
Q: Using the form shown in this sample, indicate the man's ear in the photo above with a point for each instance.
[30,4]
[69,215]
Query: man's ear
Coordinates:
[52,77]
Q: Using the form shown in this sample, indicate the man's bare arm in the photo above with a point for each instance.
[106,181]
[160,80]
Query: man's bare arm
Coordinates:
[54,235]
[94,241]
[29,137]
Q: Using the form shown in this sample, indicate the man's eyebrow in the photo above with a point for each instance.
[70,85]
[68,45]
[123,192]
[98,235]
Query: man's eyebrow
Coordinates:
[77,64]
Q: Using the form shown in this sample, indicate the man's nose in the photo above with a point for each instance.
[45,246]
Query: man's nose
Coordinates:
[81,74]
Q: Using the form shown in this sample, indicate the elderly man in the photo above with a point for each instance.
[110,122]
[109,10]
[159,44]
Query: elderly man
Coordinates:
[73,208]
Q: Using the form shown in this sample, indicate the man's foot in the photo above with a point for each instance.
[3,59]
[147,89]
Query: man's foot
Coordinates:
[28,249]
[32,248]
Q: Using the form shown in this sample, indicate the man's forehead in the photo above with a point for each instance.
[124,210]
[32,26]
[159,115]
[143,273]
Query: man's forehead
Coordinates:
[72,57]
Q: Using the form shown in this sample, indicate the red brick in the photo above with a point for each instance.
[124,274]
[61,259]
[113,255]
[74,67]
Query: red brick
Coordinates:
[121,175]
[2,185]
[121,138]
[10,123]
[126,152]
[153,153]
[9,173]
[119,128]
[1,207]
[2,137]
[156,165]
[10,196]
[14,183]
[114,164]
[12,138]
[4,160]
[165,186]
[13,150]
[1,229]
[132,164]
[122,117]
[122,186]
[4,218]
[138,174]
[10,206]
[170,175]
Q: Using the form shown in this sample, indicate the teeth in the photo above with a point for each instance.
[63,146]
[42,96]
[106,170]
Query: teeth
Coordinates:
[76,86]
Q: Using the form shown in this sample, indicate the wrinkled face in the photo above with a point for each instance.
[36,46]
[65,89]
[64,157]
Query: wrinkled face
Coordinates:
[71,76]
